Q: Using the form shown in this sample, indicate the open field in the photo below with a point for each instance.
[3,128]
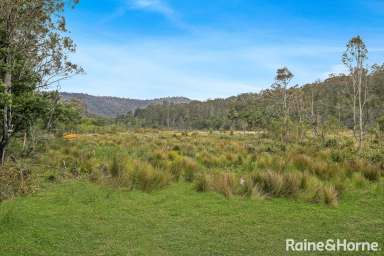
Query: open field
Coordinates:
[191,128]
[78,218]
[154,192]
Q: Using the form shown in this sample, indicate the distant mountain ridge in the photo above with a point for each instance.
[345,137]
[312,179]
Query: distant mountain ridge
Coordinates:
[114,106]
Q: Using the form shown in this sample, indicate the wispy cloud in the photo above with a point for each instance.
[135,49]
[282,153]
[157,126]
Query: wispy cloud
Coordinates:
[157,6]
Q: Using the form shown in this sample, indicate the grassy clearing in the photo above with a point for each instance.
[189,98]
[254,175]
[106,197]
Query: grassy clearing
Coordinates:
[166,193]
[80,218]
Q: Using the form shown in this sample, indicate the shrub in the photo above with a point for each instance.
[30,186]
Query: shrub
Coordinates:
[15,181]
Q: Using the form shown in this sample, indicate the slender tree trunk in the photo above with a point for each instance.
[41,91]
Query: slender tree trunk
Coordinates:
[285,113]
[354,109]
[7,114]
[2,153]
[25,140]
[360,100]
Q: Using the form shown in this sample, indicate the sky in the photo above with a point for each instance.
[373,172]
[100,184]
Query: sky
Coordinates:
[204,49]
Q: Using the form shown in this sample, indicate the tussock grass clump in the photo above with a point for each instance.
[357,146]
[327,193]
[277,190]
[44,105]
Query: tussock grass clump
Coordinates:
[322,169]
[190,168]
[183,166]
[176,168]
[264,161]
[330,195]
[272,183]
[202,182]
[96,176]
[144,177]
[291,183]
[278,184]
[157,158]
[372,173]
[223,183]
[358,180]
[249,189]
[302,162]
[209,160]
[116,168]
[136,174]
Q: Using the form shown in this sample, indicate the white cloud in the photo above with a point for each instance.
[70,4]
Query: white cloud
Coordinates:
[157,6]
[153,6]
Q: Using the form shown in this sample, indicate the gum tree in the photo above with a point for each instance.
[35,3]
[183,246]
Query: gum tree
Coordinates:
[354,59]
[282,80]
[34,49]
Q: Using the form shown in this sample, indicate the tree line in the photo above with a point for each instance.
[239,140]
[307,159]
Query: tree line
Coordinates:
[353,101]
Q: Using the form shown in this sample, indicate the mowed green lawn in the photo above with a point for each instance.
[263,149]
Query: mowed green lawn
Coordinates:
[79,218]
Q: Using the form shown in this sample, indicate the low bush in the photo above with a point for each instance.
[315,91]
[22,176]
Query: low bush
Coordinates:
[15,181]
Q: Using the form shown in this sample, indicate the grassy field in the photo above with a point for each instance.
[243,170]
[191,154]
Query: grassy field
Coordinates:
[141,193]
[79,218]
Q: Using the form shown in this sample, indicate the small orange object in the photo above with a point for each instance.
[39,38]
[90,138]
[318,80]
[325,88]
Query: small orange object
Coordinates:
[70,136]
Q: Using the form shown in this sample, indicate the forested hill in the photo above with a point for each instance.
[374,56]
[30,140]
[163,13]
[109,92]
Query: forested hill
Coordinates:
[114,106]
[319,104]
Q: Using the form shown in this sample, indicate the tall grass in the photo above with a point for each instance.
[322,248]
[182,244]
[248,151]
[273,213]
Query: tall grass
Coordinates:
[238,165]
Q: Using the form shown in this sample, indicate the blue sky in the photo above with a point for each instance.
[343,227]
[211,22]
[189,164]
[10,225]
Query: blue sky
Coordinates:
[214,48]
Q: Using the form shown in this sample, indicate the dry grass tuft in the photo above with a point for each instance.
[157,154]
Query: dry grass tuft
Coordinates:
[330,195]
[202,182]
